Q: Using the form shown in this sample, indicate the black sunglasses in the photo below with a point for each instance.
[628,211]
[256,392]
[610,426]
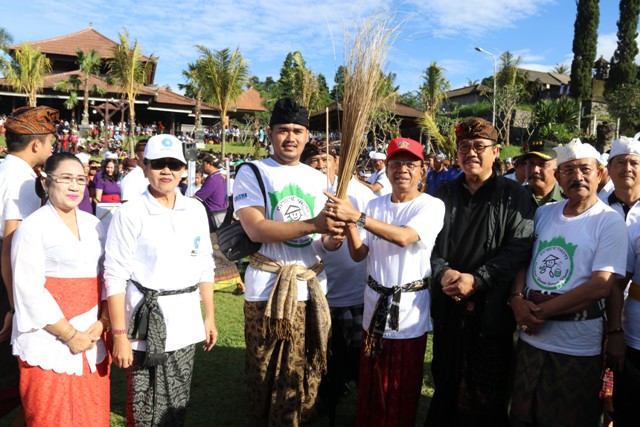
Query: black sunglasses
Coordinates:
[173,164]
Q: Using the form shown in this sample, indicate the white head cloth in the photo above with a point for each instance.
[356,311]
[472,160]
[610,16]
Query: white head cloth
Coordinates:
[574,150]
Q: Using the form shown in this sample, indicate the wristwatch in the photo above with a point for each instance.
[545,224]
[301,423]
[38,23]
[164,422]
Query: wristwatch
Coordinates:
[360,222]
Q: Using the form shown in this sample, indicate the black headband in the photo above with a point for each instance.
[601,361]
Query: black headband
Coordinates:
[287,110]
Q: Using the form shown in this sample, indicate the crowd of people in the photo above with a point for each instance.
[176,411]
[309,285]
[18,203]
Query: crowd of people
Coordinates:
[538,265]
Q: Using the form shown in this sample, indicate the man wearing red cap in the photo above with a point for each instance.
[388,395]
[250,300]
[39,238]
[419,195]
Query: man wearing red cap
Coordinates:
[485,240]
[395,234]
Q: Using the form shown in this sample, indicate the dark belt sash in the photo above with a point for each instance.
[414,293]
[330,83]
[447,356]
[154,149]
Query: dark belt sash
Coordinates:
[147,323]
[595,311]
[373,343]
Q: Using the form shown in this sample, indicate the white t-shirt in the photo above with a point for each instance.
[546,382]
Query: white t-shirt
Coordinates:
[606,191]
[390,265]
[631,313]
[633,215]
[18,197]
[294,193]
[565,254]
[134,184]
[347,279]
[162,249]
[44,247]
[380,177]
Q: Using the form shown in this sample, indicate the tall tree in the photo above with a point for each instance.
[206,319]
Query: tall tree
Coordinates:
[585,41]
[5,40]
[26,71]
[433,91]
[226,73]
[337,93]
[286,82]
[129,71]
[195,86]
[623,68]
[89,64]
[509,72]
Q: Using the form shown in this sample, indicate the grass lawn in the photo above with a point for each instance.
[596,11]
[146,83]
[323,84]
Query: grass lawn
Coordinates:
[217,392]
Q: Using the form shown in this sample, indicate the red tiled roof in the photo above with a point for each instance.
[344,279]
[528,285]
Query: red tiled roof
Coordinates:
[69,44]
[51,79]
[164,96]
[249,100]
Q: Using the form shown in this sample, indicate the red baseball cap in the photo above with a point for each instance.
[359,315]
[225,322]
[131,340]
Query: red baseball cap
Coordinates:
[402,145]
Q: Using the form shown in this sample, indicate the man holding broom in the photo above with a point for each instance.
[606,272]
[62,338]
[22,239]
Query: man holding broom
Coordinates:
[395,234]
[287,318]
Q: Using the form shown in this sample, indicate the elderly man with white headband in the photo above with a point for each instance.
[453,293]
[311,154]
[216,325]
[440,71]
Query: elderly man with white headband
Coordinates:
[559,303]
[378,181]
[623,347]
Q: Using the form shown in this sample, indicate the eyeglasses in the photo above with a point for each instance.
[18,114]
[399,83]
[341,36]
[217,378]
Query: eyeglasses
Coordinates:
[66,179]
[585,170]
[478,147]
[173,164]
[397,164]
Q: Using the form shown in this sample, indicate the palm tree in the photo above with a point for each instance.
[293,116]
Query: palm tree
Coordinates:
[226,73]
[194,87]
[509,68]
[433,91]
[5,39]
[89,64]
[561,69]
[129,71]
[25,73]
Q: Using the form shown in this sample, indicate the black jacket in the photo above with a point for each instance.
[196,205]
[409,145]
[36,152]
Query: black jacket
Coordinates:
[507,249]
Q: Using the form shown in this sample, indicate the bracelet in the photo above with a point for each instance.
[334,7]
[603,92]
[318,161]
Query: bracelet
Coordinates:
[72,337]
[514,295]
[615,331]
[118,331]
[63,336]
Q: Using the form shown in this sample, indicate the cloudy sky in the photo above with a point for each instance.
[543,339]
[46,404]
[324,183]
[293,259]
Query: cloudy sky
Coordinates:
[445,31]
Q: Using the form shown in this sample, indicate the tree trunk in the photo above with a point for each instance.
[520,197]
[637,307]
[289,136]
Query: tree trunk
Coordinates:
[132,125]
[85,110]
[223,116]
[198,112]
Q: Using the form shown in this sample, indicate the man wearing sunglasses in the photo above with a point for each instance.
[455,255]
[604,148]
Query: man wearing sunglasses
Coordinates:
[485,240]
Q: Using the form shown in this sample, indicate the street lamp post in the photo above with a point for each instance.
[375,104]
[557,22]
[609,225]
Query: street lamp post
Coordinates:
[495,69]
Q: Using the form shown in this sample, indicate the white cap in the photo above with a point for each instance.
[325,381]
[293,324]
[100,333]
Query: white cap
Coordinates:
[574,150]
[625,145]
[84,158]
[111,156]
[604,158]
[163,146]
[374,155]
